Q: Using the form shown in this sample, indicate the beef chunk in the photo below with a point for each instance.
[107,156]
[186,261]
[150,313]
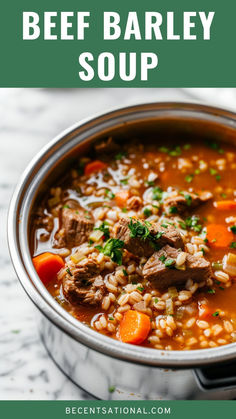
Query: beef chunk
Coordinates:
[185,201]
[107,146]
[84,285]
[160,268]
[135,241]
[75,227]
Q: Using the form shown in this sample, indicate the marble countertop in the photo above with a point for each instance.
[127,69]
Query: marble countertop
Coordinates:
[29,118]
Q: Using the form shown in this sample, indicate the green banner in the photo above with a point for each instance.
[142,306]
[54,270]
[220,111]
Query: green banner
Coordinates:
[75,43]
[117,409]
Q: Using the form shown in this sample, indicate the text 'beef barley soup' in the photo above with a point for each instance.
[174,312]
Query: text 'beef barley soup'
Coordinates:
[139,243]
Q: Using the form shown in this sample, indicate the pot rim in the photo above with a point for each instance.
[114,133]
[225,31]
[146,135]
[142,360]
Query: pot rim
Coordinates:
[18,217]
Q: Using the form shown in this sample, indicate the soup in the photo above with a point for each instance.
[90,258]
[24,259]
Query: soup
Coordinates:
[138,241]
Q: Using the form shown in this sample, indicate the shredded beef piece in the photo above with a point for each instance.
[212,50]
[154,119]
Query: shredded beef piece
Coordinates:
[75,227]
[156,271]
[145,247]
[84,285]
[185,201]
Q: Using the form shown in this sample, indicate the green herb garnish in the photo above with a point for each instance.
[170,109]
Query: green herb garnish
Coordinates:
[212,171]
[233,245]
[211,291]
[112,249]
[125,272]
[147,212]
[187,146]
[111,389]
[109,194]
[104,227]
[162,258]
[189,178]
[69,272]
[169,263]
[141,289]
[157,193]
[120,155]
[188,199]
[124,181]
[173,210]
[216,314]
[233,229]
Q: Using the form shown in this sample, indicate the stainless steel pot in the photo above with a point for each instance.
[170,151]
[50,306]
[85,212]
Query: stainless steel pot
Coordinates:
[93,361]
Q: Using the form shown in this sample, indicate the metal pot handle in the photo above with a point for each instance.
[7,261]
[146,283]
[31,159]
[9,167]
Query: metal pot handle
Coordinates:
[217,377]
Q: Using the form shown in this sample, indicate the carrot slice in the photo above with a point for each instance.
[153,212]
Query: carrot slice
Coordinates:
[218,235]
[225,205]
[47,266]
[121,197]
[94,166]
[134,327]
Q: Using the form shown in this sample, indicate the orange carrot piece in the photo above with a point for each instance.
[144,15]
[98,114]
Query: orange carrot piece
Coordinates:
[121,198]
[94,166]
[225,205]
[203,311]
[47,266]
[134,327]
[218,235]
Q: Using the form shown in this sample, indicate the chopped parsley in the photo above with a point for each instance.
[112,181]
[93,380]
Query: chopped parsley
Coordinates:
[105,229]
[66,206]
[224,195]
[193,223]
[125,272]
[111,389]
[197,172]
[182,224]
[173,210]
[175,152]
[211,291]
[163,149]
[111,318]
[109,194]
[189,178]
[212,171]
[218,178]
[156,300]
[150,182]
[68,271]
[141,289]
[169,263]
[113,248]
[233,245]
[188,199]
[216,314]
[124,181]
[187,146]
[233,229]
[157,193]
[124,209]
[215,146]
[164,225]
[137,229]
[162,258]
[147,212]
[120,155]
